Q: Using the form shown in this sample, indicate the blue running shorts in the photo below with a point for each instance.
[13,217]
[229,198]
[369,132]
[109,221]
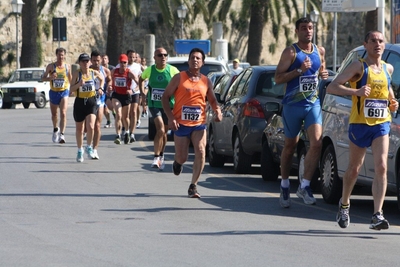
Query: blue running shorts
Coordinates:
[362,135]
[186,131]
[55,97]
[294,116]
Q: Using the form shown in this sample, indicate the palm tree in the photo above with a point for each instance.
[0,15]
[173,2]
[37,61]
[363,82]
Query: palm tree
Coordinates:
[29,50]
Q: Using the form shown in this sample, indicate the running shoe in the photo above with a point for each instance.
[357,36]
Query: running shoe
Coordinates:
[343,217]
[378,222]
[156,163]
[177,168]
[162,164]
[56,135]
[62,139]
[117,140]
[284,198]
[143,115]
[132,138]
[192,191]
[89,152]
[126,138]
[306,195]
[108,125]
[79,156]
[95,154]
[138,124]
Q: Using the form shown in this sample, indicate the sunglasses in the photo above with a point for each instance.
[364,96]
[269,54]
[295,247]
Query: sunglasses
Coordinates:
[160,55]
[124,62]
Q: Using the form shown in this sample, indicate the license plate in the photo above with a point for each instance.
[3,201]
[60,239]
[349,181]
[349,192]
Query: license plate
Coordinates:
[17,99]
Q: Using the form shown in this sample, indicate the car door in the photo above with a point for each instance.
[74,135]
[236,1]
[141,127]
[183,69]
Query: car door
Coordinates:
[229,111]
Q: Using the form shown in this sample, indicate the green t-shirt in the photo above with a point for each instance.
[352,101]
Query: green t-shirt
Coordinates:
[158,81]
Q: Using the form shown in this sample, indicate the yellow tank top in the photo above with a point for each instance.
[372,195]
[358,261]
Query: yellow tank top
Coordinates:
[61,83]
[88,89]
[374,109]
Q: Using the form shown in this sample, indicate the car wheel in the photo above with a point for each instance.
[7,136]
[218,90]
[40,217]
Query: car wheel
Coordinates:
[1,100]
[314,179]
[7,105]
[269,169]
[151,129]
[26,105]
[241,161]
[214,160]
[41,102]
[331,185]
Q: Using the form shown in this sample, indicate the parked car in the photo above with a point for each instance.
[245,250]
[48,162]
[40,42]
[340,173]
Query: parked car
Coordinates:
[211,64]
[273,143]
[246,106]
[215,76]
[335,151]
[25,86]
[1,98]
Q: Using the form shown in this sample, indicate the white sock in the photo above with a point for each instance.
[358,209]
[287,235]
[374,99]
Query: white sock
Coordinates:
[305,183]
[285,183]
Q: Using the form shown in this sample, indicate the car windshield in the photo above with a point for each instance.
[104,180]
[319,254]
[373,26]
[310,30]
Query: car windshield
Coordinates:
[27,76]
[204,70]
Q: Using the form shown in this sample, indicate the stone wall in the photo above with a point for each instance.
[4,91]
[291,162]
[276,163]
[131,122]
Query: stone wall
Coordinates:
[85,33]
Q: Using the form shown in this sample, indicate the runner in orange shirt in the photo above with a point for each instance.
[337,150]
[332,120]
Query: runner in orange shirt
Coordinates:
[188,118]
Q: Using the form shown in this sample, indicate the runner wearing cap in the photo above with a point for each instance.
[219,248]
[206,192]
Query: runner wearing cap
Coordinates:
[85,105]
[122,78]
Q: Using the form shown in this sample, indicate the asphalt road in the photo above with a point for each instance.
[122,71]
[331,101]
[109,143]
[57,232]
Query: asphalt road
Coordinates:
[118,211]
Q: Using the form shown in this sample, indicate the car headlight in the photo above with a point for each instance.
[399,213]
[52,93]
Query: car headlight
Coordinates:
[5,90]
[31,90]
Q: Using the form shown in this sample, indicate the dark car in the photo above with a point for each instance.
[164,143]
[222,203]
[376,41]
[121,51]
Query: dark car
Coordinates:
[246,106]
[273,142]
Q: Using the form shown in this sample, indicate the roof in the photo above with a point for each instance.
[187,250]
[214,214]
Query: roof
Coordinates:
[31,69]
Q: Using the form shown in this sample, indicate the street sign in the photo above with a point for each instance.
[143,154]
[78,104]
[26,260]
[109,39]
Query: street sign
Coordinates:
[332,6]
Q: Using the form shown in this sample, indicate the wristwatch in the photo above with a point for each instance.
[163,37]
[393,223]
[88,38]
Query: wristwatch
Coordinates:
[300,71]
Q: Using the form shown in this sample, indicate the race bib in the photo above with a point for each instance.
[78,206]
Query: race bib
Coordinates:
[156,94]
[308,83]
[191,113]
[87,87]
[375,108]
[58,83]
[120,82]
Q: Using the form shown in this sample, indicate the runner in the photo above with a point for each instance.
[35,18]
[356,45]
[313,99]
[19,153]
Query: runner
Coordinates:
[108,108]
[59,75]
[158,77]
[121,98]
[106,73]
[188,118]
[85,105]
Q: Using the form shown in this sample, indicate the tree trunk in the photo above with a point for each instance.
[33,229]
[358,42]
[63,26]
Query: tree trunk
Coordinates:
[29,53]
[115,33]
[256,26]
[371,21]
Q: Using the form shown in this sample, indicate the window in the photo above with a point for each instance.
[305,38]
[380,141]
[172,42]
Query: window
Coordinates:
[267,86]
[394,60]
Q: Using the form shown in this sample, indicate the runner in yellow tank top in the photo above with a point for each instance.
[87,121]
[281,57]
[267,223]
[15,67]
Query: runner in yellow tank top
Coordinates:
[373,98]
[190,89]
[59,75]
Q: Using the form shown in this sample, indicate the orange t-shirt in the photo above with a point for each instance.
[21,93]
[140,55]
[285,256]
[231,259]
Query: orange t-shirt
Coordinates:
[190,101]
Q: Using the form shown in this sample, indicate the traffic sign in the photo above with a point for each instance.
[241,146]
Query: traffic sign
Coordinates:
[332,6]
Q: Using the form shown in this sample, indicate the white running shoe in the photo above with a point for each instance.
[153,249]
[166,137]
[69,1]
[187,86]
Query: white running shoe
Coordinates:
[138,124]
[89,151]
[62,139]
[95,155]
[56,136]
[162,164]
[156,163]
[79,156]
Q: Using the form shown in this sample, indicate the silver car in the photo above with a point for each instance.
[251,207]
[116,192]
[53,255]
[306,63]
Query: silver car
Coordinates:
[335,151]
